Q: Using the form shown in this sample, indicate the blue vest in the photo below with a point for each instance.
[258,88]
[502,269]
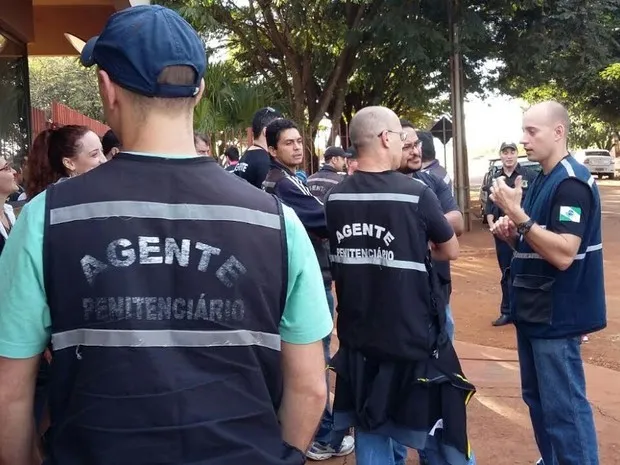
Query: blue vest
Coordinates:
[547,302]
[165,305]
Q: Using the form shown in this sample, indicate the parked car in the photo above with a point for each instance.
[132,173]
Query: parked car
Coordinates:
[495,165]
[599,162]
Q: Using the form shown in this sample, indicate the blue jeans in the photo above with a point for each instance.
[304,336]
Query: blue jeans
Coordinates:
[326,434]
[449,322]
[431,455]
[554,388]
[376,449]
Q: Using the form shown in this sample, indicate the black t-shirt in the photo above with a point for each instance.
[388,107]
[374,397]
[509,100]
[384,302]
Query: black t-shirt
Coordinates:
[254,166]
[572,204]
[438,228]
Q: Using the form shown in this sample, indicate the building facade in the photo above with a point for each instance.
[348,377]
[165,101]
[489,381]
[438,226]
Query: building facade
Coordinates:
[37,27]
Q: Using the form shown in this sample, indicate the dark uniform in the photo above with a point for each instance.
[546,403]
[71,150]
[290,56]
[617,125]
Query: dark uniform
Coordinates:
[321,182]
[397,373]
[172,306]
[502,249]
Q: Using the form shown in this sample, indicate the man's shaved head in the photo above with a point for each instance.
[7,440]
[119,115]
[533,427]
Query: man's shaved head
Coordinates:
[551,113]
[369,122]
[377,136]
[545,132]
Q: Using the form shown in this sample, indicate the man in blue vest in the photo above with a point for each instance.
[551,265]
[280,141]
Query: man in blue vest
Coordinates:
[185,324]
[411,164]
[558,291]
[286,149]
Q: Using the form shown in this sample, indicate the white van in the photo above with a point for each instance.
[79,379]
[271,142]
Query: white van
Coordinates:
[599,162]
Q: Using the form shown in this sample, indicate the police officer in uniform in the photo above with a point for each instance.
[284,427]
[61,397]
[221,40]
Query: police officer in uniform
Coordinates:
[557,285]
[510,171]
[185,324]
[286,150]
[395,366]
[330,174]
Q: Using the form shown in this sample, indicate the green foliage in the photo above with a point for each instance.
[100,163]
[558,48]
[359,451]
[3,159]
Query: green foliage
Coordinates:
[229,103]
[587,129]
[331,58]
[64,80]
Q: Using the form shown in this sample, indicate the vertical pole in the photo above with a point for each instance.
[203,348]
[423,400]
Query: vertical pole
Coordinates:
[458,116]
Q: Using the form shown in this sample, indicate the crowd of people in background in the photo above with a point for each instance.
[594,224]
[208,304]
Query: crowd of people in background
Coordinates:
[159,304]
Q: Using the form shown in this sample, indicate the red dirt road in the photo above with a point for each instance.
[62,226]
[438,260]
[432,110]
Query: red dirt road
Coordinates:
[499,426]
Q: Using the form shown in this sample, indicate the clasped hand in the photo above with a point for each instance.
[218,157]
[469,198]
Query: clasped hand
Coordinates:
[505,229]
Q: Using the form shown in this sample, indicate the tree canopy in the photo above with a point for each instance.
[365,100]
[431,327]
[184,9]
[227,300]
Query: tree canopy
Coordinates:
[332,58]
[64,80]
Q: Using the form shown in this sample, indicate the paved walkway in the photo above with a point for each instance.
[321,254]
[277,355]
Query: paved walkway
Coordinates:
[499,423]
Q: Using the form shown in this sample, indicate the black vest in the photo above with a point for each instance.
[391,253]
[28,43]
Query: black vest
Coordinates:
[381,265]
[165,304]
[320,246]
[321,182]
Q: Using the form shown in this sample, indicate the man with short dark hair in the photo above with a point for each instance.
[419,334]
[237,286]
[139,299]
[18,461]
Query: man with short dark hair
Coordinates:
[185,323]
[286,148]
[411,165]
[232,157]
[330,174]
[110,144]
[430,164]
[255,162]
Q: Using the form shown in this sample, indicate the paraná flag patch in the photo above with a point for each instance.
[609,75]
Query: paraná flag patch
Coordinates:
[572,214]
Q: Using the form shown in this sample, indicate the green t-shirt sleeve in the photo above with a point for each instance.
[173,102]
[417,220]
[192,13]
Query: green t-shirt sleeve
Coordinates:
[306,317]
[25,325]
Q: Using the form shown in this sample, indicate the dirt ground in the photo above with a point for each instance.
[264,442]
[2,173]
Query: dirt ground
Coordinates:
[476,292]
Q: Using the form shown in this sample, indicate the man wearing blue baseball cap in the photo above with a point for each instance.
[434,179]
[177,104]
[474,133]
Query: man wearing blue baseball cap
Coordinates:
[185,324]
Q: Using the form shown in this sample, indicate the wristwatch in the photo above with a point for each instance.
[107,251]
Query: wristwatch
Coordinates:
[524,228]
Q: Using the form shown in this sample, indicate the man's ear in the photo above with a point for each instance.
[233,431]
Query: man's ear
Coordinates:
[201,91]
[107,90]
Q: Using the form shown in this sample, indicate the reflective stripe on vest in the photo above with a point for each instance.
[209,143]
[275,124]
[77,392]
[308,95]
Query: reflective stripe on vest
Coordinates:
[379,261]
[317,180]
[571,172]
[375,197]
[163,338]
[163,211]
[535,256]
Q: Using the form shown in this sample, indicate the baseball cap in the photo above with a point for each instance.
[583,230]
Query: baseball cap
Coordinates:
[332,152]
[352,153]
[138,43]
[508,145]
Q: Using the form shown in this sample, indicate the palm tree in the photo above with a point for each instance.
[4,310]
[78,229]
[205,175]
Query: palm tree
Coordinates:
[228,105]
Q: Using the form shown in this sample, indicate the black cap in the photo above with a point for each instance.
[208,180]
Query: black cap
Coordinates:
[352,153]
[332,152]
[109,141]
[508,145]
